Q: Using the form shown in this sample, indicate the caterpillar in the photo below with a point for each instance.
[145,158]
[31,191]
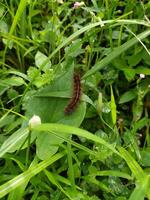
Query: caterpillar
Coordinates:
[75,96]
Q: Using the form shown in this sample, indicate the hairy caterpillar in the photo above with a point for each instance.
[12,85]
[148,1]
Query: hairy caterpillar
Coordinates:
[76,95]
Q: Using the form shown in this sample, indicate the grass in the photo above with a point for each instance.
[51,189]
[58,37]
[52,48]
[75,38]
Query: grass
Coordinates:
[102,149]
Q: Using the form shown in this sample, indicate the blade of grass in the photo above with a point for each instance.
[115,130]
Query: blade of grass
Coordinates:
[116,52]
[53,180]
[112,173]
[133,165]
[140,190]
[113,107]
[142,178]
[70,167]
[69,130]
[14,140]
[27,175]
[19,12]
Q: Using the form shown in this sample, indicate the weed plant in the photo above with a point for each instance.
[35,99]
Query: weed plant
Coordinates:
[101,150]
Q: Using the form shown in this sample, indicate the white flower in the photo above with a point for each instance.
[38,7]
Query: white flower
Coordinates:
[60,1]
[34,121]
[142,76]
[78,4]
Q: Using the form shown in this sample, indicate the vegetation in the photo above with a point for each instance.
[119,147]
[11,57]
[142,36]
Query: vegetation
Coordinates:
[101,149]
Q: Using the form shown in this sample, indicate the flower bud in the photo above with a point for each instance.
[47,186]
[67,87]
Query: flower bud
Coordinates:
[100,103]
[142,76]
[34,121]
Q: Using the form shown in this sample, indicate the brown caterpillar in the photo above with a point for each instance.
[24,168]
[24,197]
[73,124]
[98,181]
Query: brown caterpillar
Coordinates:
[76,95]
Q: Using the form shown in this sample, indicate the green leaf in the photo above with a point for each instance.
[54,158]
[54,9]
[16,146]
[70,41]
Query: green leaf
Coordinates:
[74,49]
[128,96]
[49,103]
[140,124]
[135,59]
[3,27]
[129,74]
[8,82]
[41,58]
[142,70]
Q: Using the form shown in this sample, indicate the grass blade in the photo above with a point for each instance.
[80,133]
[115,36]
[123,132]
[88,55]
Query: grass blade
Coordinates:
[116,52]
[27,175]
[69,130]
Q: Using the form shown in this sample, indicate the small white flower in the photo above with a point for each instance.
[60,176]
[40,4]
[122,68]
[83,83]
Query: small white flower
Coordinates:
[34,121]
[78,4]
[142,76]
[60,1]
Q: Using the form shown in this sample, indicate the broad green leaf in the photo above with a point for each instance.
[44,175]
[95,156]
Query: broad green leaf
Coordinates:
[39,59]
[3,27]
[137,109]
[8,82]
[128,96]
[74,49]
[13,81]
[49,103]
[135,59]
[140,124]
[6,119]
[129,74]
[146,57]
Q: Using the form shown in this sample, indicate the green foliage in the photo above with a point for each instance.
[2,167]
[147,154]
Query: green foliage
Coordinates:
[102,149]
